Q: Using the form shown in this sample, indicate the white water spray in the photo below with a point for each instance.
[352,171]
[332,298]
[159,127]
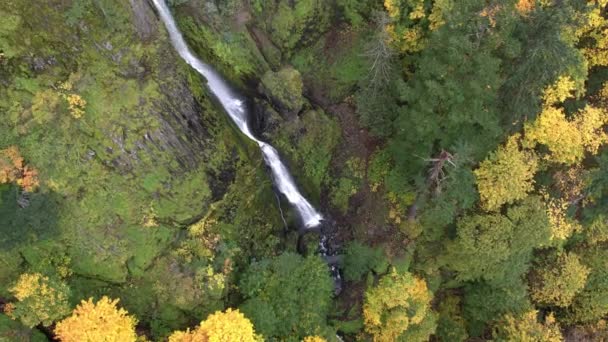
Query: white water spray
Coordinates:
[235,107]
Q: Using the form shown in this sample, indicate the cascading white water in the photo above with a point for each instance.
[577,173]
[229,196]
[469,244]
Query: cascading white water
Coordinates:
[236,109]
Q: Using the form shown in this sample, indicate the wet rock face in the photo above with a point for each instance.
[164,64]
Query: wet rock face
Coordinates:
[178,130]
[265,121]
[144,19]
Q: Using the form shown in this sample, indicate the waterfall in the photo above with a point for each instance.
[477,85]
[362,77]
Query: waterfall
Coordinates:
[234,105]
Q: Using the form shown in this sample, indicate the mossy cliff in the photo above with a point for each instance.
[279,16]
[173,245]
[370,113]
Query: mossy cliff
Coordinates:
[130,153]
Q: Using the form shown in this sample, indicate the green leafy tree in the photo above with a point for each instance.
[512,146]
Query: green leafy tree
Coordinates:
[591,303]
[485,302]
[597,231]
[482,246]
[355,11]
[400,303]
[495,247]
[288,297]
[451,325]
[360,259]
[13,331]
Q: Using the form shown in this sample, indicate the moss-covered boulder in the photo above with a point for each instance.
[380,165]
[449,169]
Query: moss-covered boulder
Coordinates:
[284,89]
[292,23]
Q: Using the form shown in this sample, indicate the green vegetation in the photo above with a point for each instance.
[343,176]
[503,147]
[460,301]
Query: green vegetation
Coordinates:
[288,297]
[456,149]
[360,259]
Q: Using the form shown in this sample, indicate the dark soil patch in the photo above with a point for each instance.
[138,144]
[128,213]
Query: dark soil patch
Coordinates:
[338,39]
[366,207]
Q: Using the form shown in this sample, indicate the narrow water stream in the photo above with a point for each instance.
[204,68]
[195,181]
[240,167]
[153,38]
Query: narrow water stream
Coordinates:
[234,105]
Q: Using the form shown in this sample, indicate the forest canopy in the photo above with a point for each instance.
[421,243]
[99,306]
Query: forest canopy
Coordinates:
[456,150]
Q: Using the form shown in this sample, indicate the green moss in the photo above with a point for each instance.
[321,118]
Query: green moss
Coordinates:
[336,68]
[349,327]
[148,243]
[232,52]
[292,24]
[47,257]
[309,142]
[284,88]
[341,193]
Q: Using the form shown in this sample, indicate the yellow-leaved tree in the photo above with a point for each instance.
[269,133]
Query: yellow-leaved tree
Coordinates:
[400,303]
[562,227]
[39,300]
[526,327]
[566,138]
[97,322]
[506,175]
[594,34]
[412,20]
[314,339]
[227,326]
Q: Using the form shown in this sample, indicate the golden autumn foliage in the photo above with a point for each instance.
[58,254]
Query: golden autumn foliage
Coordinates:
[490,12]
[314,339]
[506,175]
[406,30]
[604,92]
[76,105]
[557,279]
[14,169]
[10,164]
[561,226]
[39,300]
[595,34]
[398,302]
[571,183]
[392,8]
[227,326]
[566,138]
[525,6]
[97,322]
[526,328]
[559,91]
